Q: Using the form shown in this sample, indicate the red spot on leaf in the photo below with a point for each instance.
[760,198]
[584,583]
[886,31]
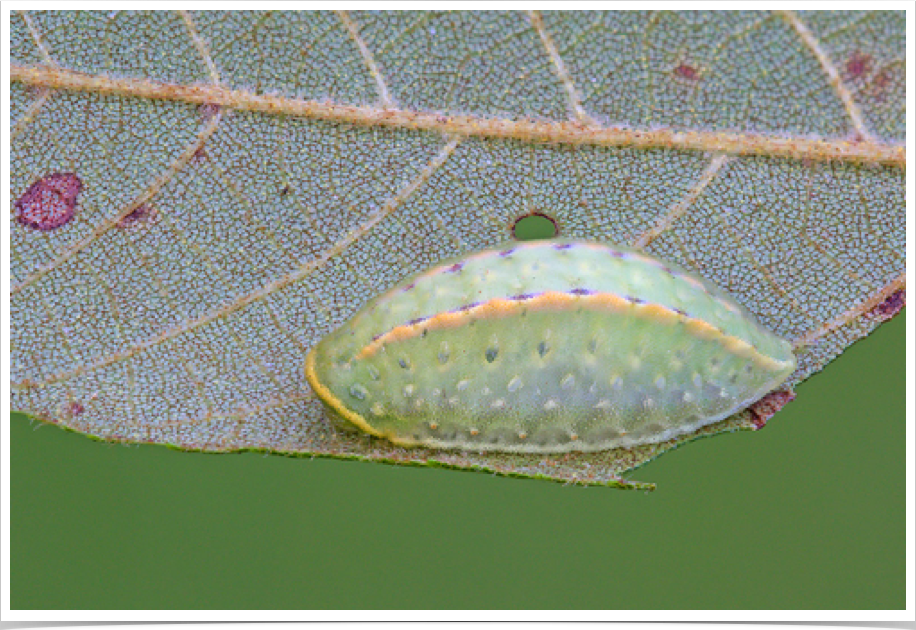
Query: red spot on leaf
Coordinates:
[766,407]
[141,215]
[858,65]
[879,84]
[889,307]
[67,411]
[208,110]
[50,202]
[686,71]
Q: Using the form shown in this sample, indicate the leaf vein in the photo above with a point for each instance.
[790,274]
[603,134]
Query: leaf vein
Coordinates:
[575,102]
[36,35]
[368,58]
[733,143]
[245,300]
[680,208]
[846,317]
[30,113]
[845,96]
[201,46]
[104,227]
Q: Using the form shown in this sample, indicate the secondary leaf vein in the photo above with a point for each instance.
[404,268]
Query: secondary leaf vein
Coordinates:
[245,300]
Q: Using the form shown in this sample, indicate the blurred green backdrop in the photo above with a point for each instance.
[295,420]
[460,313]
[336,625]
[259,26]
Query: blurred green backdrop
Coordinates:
[807,513]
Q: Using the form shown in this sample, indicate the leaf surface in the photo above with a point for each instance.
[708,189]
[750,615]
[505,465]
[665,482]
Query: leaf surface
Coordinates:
[247,180]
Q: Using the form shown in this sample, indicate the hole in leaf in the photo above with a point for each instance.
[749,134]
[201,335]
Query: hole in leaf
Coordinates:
[533,227]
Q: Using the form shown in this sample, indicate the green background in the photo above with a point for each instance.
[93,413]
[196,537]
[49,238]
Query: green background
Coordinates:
[807,513]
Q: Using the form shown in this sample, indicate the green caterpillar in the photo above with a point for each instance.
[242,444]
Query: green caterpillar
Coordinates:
[546,347]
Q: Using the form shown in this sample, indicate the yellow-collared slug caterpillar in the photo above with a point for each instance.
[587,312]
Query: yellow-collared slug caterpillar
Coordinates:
[546,347]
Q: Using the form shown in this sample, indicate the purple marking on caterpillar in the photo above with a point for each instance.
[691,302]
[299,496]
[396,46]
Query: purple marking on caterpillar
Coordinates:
[466,307]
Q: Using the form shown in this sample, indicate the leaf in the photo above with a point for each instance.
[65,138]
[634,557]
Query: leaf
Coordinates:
[240,183]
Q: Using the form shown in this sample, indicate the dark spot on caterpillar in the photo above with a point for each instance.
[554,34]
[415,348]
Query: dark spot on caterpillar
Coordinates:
[543,348]
[404,363]
[416,321]
[455,268]
[617,253]
[200,154]
[285,190]
[408,287]
[505,253]
[762,410]
[562,246]
[466,307]
[491,354]
[50,202]
[635,300]
[523,296]
[580,291]
[679,311]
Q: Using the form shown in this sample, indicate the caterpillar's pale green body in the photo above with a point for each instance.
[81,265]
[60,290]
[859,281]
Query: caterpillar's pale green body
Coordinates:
[544,347]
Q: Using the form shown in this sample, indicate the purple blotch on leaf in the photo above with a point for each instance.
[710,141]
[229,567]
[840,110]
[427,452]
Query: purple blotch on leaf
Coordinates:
[50,202]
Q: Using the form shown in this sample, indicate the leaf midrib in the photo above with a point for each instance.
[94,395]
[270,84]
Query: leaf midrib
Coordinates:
[561,132]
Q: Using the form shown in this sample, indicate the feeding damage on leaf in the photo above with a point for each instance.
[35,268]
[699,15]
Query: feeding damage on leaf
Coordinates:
[765,408]
[889,307]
